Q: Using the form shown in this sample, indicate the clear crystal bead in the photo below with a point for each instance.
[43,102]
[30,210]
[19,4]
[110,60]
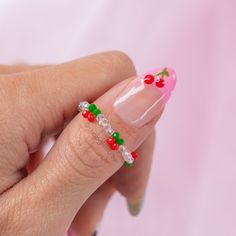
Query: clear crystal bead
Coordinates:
[83,106]
[101,120]
[99,117]
[128,157]
[122,148]
[108,129]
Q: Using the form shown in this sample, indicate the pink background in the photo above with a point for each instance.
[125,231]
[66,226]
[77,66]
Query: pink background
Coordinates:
[192,189]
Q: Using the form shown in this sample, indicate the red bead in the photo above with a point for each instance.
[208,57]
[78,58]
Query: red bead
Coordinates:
[160,83]
[134,155]
[110,141]
[91,117]
[114,146]
[85,113]
[148,79]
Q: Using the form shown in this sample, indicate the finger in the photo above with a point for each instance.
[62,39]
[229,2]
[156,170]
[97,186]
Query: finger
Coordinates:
[132,182]
[39,155]
[90,214]
[41,105]
[80,161]
[40,101]
[11,69]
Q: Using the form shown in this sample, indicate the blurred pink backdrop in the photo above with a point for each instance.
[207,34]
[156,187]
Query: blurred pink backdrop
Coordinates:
[192,188]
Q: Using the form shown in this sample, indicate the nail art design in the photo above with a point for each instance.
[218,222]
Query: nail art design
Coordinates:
[115,142]
[145,96]
[158,77]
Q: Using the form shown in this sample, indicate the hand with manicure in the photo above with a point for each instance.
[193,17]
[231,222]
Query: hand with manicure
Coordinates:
[69,187]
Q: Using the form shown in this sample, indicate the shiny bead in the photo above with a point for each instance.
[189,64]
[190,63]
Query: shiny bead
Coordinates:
[120,141]
[128,157]
[128,165]
[83,106]
[110,141]
[122,148]
[85,113]
[101,120]
[92,107]
[108,129]
[91,117]
[116,135]
[134,155]
[114,146]
[96,112]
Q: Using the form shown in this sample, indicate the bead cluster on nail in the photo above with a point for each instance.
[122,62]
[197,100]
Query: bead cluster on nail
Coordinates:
[160,81]
[114,141]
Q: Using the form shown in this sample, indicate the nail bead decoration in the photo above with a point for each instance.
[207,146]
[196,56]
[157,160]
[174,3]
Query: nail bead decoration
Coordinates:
[115,142]
[159,78]
[83,106]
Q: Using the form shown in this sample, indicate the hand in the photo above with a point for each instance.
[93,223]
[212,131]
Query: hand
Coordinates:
[71,186]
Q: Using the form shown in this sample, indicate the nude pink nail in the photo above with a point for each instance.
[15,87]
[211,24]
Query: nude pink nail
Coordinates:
[145,96]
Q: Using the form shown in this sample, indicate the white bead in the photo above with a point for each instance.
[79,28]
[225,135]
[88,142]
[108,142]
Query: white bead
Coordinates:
[83,106]
[101,120]
[108,129]
[99,117]
[128,157]
[122,148]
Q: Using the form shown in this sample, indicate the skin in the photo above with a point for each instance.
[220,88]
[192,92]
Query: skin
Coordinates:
[70,187]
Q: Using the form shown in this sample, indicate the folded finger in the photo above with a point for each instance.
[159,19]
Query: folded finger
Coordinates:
[81,160]
[11,69]
[90,214]
[39,102]
[132,182]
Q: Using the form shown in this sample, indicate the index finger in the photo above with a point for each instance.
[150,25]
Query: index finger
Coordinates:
[48,96]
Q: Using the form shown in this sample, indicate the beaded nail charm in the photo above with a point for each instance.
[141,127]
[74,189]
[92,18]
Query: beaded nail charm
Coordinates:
[114,141]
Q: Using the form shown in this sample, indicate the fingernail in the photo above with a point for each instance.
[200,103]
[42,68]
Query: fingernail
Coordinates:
[135,205]
[145,96]
[95,233]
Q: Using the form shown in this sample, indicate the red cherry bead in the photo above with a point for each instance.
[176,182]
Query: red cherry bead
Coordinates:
[134,155]
[148,79]
[91,117]
[114,146]
[160,83]
[85,113]
[110,141]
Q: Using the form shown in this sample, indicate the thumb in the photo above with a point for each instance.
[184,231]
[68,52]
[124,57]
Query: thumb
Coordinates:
[81,160]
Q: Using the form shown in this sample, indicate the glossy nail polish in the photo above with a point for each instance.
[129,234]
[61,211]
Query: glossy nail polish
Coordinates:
[145,96]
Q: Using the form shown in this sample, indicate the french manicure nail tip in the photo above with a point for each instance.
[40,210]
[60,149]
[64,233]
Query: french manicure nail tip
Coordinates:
[145,96]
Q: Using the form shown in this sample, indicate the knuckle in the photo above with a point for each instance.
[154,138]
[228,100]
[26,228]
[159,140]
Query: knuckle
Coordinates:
[114,61]
[85,151]
[123,60]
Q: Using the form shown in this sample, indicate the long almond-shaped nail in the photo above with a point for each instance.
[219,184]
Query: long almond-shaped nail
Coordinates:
[145,96]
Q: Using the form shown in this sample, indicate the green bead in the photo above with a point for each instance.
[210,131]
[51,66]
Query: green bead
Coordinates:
[92,107]
[96,111]
[116,135]
[128,165]
[120,141]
